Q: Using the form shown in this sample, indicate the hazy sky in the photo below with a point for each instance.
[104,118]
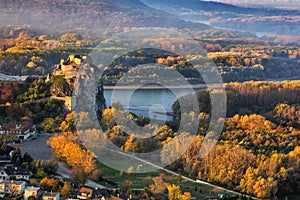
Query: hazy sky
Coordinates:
[282,2]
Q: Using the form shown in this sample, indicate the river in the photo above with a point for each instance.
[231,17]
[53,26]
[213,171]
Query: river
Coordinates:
[258,34]
[147,102]
[151,102]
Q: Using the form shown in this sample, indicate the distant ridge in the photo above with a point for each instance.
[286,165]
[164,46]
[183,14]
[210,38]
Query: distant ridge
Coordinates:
[90,17]
[213,6]
[266,20]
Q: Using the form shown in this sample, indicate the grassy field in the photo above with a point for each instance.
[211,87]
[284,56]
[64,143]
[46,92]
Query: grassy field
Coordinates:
[143,180]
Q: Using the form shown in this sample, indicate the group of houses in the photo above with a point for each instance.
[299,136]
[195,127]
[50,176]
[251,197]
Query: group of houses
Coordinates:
[99,194]
[13,181]
[21,130]
[18,188]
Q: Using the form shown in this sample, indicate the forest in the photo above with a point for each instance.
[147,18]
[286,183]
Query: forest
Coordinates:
[257,153]
[24,52]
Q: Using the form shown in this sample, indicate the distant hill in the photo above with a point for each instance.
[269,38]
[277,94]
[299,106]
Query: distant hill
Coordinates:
[254,19]
[88,17]
[212,6]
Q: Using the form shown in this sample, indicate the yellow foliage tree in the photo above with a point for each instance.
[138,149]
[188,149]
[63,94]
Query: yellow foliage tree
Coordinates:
[186,196]
[174,192]
[108,117]
[63,147]
[128,145]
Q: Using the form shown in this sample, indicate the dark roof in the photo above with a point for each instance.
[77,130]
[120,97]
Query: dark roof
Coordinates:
[16,171]
[16,126]
[123,196]
[101,193]
[6,151]
[78,56]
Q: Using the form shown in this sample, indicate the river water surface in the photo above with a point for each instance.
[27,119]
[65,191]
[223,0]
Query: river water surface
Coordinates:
[146,102]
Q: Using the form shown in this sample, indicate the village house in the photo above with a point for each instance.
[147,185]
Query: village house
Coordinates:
[114,198]
[2,130]
[85,193]
[99,194]
[12,187]
[32,191]
[15,173]
[22,130]
[51,196]
[6,153]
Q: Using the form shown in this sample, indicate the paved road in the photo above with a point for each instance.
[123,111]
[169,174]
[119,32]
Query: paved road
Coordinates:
[37,148]
[65,172]
[40,151]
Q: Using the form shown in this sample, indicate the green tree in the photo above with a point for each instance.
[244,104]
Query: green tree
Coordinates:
[60,87]
[51,166]
[27,159]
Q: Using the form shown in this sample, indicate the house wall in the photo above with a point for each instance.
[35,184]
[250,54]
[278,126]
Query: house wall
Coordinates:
[3,176]
[2,188]
[18,188]
[8,187]
[31,192]
[57,197]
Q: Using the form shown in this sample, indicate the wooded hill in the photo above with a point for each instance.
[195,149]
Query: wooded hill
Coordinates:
[91,18]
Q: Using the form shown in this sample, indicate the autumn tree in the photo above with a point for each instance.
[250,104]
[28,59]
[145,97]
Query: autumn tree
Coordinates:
[96,175]
[108,117]
[68,123]
[78,175]
[67,190]
[70,37]
[174,192]
[129,145]
[50,184]
[126,187]
[51,166]
[186,196]
[158,186]
[64,146]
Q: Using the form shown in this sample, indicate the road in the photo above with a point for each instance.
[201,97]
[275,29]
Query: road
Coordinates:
[183,177]
[40,151]
[4,77]
[37,148]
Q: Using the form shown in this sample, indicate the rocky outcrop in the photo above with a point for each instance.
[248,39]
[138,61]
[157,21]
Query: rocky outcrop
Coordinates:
[85,83]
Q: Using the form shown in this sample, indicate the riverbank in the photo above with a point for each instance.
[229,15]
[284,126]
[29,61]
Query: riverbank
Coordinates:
[155,87]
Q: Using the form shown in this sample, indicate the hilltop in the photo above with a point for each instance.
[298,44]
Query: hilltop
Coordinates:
[254,19]
[92,17]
